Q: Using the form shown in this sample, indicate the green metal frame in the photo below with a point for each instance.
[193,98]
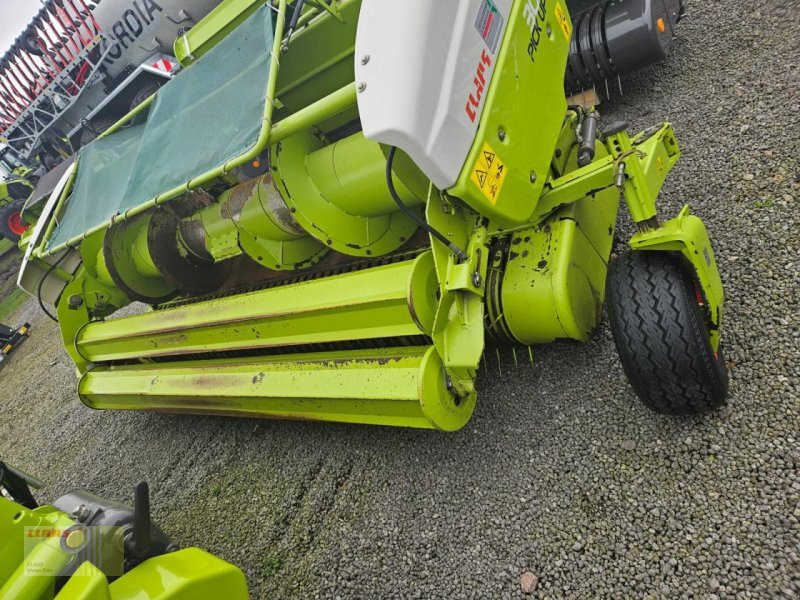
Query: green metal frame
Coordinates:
[522,142]
[641,164]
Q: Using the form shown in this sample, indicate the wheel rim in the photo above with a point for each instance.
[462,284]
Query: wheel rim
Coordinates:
[15,223]
[701,304]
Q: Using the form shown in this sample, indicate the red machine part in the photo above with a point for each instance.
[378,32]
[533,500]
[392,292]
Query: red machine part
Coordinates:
[16,224]
[49,45]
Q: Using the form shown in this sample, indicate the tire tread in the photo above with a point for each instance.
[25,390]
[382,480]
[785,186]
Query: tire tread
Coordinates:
[660,335]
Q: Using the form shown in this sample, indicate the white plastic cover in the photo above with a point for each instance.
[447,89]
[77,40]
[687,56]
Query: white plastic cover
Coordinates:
[423,69]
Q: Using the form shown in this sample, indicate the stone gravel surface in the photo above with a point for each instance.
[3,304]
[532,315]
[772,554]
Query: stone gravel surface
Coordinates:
[561,482]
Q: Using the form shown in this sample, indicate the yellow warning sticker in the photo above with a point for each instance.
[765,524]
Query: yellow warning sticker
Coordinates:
[563,20]
[489,173]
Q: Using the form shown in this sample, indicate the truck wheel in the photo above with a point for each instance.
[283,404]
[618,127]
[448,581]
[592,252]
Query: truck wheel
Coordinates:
[11,224]
[95,128]
[143,94]
[661,335]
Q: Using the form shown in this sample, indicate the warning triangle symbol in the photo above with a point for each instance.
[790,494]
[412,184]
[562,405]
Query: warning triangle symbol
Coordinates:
[489,158]
[481,176]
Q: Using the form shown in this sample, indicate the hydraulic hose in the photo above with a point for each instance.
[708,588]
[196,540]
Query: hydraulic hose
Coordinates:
[298,8]
[462,256]
[41,283]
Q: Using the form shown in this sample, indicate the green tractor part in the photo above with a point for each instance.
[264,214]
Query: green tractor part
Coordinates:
[324,227]
[87,548]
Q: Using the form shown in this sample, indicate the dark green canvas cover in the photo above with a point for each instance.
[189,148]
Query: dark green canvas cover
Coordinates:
[209,114]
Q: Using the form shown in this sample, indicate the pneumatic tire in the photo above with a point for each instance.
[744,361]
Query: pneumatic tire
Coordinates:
[661,335]
[96,128]
[147,90]
[11,224]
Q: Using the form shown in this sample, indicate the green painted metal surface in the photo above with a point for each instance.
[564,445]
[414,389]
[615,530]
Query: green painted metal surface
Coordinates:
[13,561]
[91,584]
[311,185]
[14,188]
[226,17]
[128,263]
[521,120]
[558,270]
[30,573]
[391,301]
[252,218]
[183,575]
[404,386]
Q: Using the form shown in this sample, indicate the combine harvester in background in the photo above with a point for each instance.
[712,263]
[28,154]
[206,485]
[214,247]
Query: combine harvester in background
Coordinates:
[331,217]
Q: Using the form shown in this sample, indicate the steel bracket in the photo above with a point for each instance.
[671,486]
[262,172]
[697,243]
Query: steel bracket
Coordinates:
[687,234]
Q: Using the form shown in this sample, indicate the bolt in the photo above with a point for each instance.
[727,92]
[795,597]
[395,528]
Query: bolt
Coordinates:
[533,177]
[619,179]
[362,86]
[81,512]
[451,388]
[477,280]
[501,133]
[365,59]
[75,301]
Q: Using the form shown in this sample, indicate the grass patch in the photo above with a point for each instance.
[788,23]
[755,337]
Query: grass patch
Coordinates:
[11,303]
[764,203]
[271,565]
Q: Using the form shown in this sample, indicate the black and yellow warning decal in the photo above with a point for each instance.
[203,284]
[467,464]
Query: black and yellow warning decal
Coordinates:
[489,173]
[563,21]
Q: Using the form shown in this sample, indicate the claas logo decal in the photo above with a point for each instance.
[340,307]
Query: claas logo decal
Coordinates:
[474,100]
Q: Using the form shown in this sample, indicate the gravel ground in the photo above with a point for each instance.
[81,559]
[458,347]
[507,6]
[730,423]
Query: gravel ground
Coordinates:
[561,472]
